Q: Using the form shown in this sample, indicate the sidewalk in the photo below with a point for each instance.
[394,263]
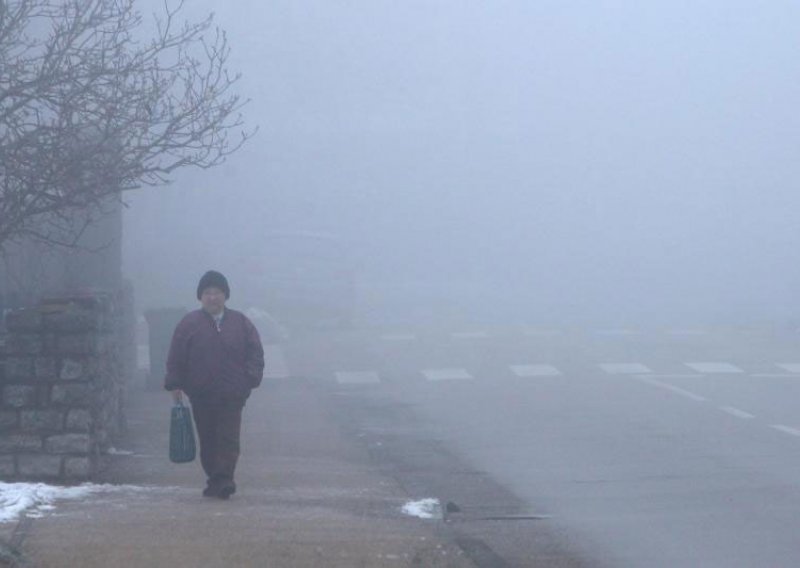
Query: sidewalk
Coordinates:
[307,498]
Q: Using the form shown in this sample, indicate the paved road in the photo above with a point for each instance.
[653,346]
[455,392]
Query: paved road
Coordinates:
[646,448]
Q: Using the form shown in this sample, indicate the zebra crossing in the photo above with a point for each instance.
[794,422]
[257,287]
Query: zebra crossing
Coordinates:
[406,344]
[447,374]
[714,368]
[687,370]
[599,333]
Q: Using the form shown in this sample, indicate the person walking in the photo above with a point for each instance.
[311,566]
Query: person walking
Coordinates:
[216,359]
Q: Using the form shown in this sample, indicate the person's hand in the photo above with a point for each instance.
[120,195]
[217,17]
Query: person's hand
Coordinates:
[177,396]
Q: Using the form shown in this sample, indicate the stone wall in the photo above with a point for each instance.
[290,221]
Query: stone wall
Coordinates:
[61,389]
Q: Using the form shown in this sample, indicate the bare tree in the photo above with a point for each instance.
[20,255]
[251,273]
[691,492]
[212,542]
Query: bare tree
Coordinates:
[89,110]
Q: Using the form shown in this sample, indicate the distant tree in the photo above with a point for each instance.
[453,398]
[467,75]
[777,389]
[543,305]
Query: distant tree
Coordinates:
[90,109]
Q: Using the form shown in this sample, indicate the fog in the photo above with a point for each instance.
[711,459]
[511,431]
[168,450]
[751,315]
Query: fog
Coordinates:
[540,161]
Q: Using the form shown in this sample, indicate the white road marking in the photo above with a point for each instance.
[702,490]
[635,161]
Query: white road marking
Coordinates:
[625,368]
[448,374]
[676,390]
[399,337]
[470,335]
[772,376]
[357,377]
[706,367]
[534,370]
[790,367]
[786,429]
[678,376]
[736,412]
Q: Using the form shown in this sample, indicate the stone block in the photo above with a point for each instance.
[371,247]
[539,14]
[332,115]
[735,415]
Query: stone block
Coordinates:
[72,370]
[49,342]
[41,420]
[7,467]
[44,368]
[24,344]
[8,420]
[74,320]
[103,437]
[75,344]
[75,393]
[82,344]
[19,369]
[24,320]
[100,367]
[78,468]
[39,466]
[68,444]
[20,443]
[19,396]
[78,420]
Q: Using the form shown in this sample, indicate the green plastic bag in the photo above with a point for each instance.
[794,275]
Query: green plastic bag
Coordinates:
[182,447]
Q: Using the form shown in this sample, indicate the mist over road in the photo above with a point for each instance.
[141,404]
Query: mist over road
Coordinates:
[642,448]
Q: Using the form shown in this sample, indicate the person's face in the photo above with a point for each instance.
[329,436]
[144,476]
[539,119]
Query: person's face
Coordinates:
[213,300]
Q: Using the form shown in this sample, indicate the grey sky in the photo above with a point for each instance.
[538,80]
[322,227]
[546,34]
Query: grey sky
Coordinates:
[588,153]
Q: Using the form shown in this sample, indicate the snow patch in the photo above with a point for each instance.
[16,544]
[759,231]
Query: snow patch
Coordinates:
[34,499]
[424,509]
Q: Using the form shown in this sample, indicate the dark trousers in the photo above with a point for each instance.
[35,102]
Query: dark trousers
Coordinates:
[218,423]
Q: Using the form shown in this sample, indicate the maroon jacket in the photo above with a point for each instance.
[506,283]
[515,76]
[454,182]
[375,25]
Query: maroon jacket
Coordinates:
[205,362]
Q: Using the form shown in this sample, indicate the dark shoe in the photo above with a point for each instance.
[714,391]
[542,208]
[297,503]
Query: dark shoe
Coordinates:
[210,492]
[225,492]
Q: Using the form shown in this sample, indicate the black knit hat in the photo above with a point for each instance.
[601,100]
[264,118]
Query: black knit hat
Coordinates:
[213,279]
